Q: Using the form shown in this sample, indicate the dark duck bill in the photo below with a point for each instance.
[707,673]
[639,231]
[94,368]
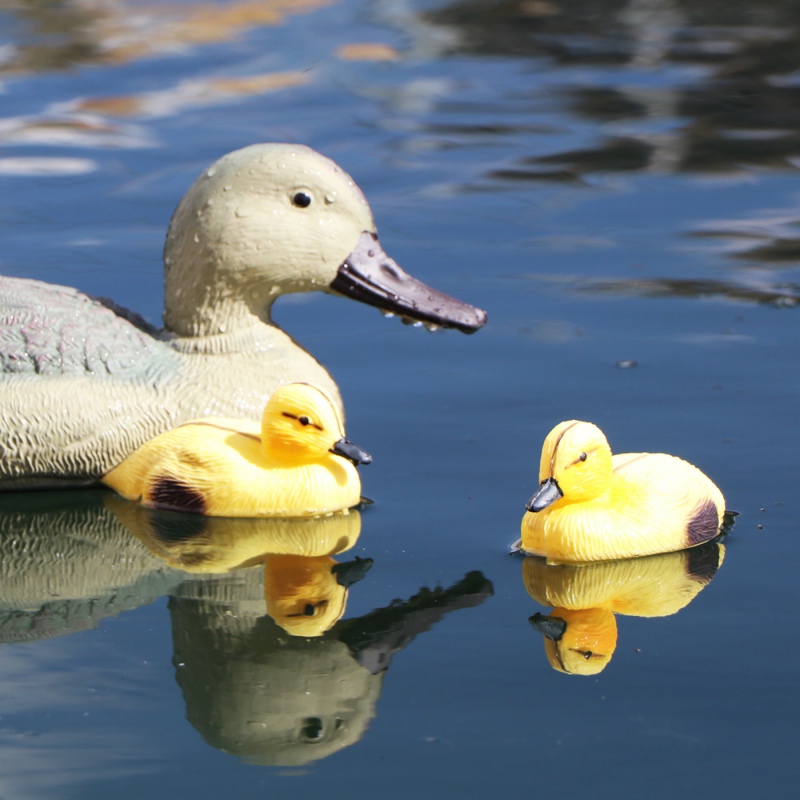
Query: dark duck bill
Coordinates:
[544,496]
[372,277]
[352,452]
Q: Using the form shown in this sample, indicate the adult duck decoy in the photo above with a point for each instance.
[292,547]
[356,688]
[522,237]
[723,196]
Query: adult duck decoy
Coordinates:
[592,506]
[85,382]
[297,465]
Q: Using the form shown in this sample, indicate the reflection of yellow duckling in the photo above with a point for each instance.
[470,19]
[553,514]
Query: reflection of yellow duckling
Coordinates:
[307,596]
[304,588]
[220,544]
[592,506]
[581,631]
[297,465]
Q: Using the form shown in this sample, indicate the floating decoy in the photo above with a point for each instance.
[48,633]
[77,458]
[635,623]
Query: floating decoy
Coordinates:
[297,465]
[592,506]
[84,382]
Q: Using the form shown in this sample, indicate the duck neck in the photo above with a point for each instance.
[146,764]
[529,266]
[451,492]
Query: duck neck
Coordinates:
[196,309]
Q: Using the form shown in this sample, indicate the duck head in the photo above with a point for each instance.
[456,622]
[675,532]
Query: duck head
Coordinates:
[575,466]
[273,219]
[301,424]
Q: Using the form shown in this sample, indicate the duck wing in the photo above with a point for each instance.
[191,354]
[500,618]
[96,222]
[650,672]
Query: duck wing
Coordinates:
[82,385]
[56,330]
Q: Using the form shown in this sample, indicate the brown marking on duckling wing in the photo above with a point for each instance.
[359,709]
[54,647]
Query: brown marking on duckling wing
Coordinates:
[174,495]
[703,524]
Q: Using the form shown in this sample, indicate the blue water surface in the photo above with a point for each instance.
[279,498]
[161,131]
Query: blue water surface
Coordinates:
[616,183]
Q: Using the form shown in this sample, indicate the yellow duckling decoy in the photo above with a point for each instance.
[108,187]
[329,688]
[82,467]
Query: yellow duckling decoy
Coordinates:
[299,464]
[592,506]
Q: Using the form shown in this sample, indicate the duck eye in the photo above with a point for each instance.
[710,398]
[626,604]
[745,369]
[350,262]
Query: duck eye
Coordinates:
[301,199]
[304,421]
[588,654]
[582,457]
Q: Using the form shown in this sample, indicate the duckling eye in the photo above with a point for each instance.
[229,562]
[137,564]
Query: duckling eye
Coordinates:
[582,457]
[301,200]
[588,654]
[304,420]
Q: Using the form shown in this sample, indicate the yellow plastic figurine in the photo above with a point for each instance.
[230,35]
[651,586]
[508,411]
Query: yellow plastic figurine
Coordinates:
[592,506]
[297,465]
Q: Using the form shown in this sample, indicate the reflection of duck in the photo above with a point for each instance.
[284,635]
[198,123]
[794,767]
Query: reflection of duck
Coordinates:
[90,382]
[68,562]
[592,506]
[298,464]
[271,699]
[581,631]
[304,588]
[218,544]
[307,596]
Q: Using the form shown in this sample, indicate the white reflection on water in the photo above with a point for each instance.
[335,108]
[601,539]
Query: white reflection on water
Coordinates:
[53,167]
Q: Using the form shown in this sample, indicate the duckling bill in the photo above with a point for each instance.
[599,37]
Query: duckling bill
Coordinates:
[592,506]
[298,465]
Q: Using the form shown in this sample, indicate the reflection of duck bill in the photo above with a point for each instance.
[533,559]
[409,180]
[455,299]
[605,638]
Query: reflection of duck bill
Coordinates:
[550,627]
[544,496]
[370,276]
[352,452]
[349,573]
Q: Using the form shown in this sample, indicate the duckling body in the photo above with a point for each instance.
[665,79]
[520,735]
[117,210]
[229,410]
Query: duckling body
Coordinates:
[84,382]
[230,468]
[592,506]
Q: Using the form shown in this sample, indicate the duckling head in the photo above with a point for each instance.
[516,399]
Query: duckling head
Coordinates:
[301,424]
[575,466]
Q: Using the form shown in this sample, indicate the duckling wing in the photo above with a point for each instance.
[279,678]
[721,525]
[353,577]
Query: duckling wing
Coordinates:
[55,330]
[672,496]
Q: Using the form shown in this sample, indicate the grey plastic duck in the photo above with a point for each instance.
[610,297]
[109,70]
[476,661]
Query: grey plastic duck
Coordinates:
[85,382]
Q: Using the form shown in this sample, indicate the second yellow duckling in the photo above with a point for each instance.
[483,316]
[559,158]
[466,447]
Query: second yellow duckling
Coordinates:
[592,506]
[297,465]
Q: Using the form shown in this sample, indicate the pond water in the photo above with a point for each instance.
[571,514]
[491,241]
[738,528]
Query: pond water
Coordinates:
[616,183]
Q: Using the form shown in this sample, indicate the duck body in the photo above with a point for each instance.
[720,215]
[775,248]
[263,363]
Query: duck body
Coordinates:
[230,468]
[84,382]
[592,506]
